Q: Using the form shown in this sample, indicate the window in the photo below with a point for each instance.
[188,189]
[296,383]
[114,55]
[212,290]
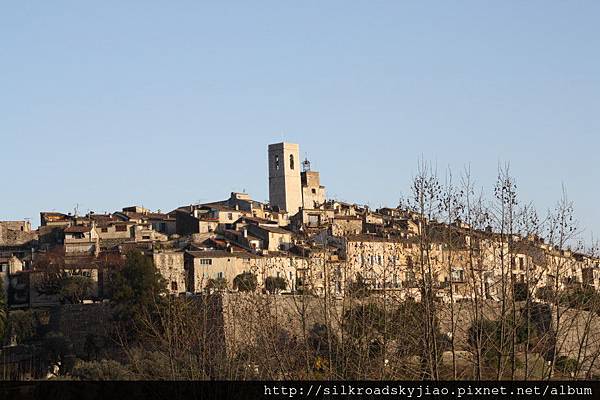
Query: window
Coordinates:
[104,229]
[220,275]
[291,161]
[277,163]
[173,286]
[230,216]
[521,264]
[146,237]
[314,191]
[457,275]
[121,228]
[206,261]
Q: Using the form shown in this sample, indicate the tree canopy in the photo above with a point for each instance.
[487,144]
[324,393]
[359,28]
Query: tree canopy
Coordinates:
[137,285]
[274,284]
[245,282]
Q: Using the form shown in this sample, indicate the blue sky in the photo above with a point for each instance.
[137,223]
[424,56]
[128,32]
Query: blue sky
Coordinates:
[112,103]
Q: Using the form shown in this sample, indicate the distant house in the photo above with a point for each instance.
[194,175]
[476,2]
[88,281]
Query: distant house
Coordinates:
[273,237]
[346,225]
[163,223]
[55,219]
[81,240]
[202,266]
[116,230]
[170,264]
[188,221]
[206,218]
[22,226]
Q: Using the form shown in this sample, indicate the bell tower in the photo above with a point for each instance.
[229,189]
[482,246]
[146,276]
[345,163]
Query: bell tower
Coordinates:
[285,189]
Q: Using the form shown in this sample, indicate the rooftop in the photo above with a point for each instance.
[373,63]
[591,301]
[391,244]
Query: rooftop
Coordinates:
[78,229]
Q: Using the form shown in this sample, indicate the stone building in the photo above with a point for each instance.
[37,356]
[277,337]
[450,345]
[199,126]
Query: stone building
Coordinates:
[203,266]
[285,191]
[22,226]
[313,194]
[273,238]
[171,266]
[55,219]
[346,225]
[80,240]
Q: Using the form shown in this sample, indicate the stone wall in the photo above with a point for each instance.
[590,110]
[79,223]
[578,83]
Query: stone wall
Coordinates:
[235,320]
[77,322]
[246,316]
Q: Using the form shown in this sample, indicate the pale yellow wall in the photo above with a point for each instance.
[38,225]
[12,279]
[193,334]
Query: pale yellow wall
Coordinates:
[284,182]
[171,267]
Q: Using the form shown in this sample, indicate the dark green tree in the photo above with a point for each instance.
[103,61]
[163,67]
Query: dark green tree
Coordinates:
[58,351]
[137,286]
[245,282]
[546,293]
[273,284]
[490,334]
[581,298]
[217,284]
[75,288]
[21,324]
[358,288]
[520,291]
[566,365]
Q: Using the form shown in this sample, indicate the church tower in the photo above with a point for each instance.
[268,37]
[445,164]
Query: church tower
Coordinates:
[285,190]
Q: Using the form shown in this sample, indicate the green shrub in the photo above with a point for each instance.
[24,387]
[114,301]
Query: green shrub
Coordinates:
[103,370]
[21,323]
[217,284]
[358,288]
[74,289]
[520,291]
[566,365]
[274,284]
[245,282]
[546,293]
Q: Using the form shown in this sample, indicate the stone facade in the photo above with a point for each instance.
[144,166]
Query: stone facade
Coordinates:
[284,177]
[313,194]
[170,264]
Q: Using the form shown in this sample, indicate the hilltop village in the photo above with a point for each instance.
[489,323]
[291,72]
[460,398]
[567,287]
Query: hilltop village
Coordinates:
[300,242]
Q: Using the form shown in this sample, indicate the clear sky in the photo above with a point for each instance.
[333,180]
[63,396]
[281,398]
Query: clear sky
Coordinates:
[111,103]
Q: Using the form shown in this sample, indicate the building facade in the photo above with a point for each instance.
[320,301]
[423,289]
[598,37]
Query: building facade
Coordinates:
[284,177]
